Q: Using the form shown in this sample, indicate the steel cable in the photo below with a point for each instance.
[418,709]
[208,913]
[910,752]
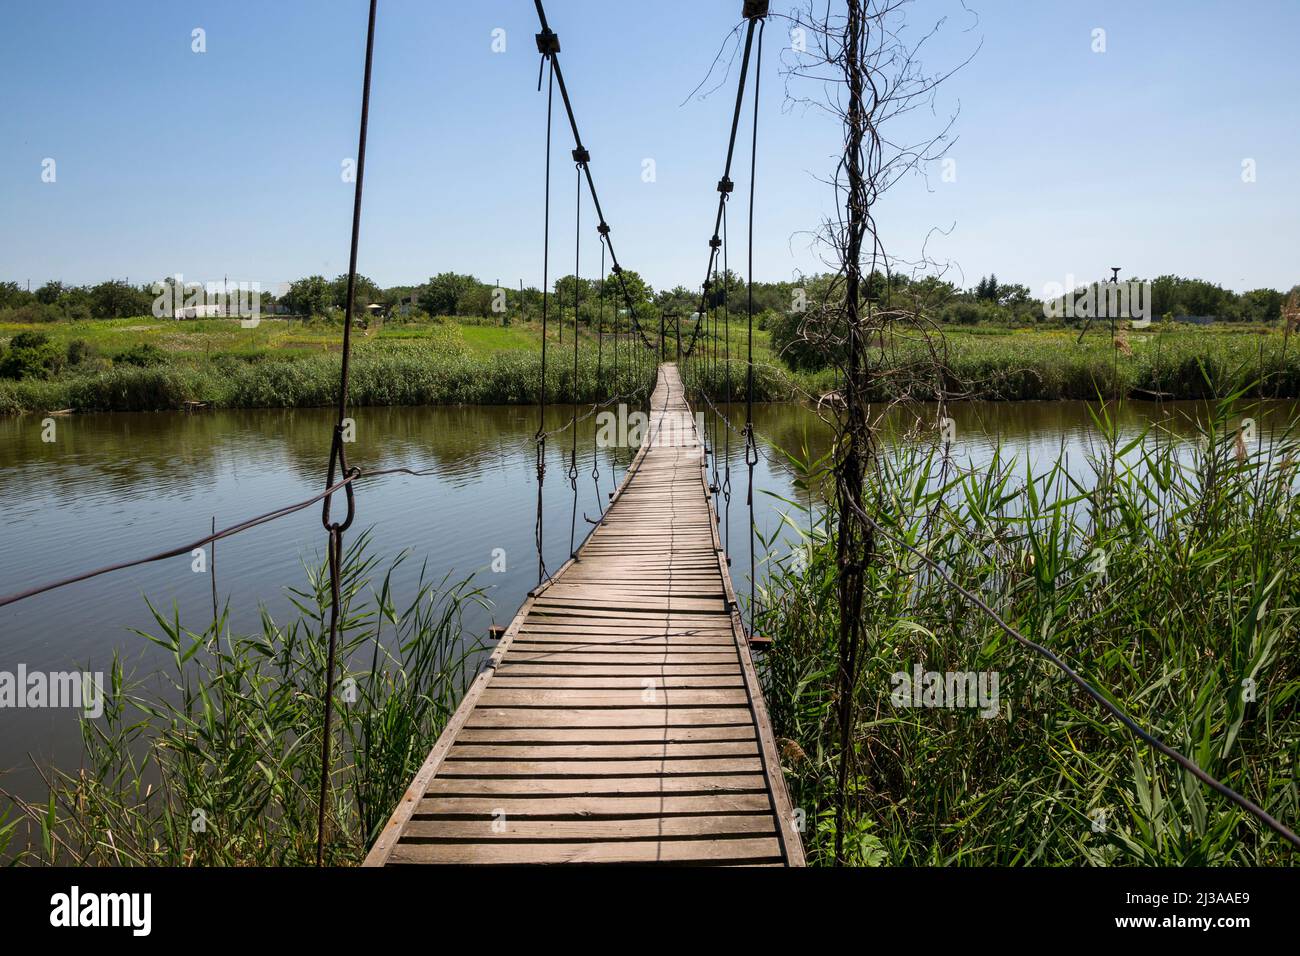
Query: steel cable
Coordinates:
[338,456]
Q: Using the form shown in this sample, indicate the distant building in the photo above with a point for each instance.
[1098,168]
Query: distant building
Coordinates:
[407,304]
[213,310]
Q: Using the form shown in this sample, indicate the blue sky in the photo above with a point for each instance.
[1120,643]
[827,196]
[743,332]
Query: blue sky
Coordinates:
[228,162]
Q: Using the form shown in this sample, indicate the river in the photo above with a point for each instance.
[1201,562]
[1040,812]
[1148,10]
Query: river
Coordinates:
[111,487]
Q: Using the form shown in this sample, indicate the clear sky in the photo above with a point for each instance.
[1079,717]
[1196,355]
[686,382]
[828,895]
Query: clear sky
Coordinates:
[229,162]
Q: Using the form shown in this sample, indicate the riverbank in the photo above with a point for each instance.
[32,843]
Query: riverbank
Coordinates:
[929,785]
[148,365]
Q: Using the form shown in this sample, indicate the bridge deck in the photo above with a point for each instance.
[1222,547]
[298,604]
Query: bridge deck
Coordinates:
[619,719]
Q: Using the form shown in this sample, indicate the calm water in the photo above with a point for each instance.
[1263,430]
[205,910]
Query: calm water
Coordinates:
[118,486]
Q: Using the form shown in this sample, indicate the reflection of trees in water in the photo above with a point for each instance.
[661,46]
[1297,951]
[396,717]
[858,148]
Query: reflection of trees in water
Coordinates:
[1017,425]
[165,453]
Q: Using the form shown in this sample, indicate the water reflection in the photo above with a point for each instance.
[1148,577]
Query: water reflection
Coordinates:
[117,486]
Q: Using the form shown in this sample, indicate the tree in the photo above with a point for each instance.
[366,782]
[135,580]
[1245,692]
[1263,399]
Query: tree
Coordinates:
[638,290]
[730,288]
[12,295]
[365,290]
[1260,305]
[476,300]
[441,294]
[310,296]
[117,300]
[1014,294]
[31,355]
[49,293]
[987,288]
[679,299]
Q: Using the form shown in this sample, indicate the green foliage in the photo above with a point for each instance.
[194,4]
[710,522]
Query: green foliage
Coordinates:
[1198,596]
[441,295]
[428,371]
[78,351]
[31,355]
[234,737]
[49,293]
[12,295]
[796,337]
[112,300]
[365,292]
[144,355]
[311,296]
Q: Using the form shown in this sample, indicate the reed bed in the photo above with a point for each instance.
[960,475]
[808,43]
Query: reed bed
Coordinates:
[383,375]
[217,762]
[1188,621]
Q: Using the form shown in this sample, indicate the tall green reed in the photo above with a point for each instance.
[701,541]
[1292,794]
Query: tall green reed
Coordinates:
[216,761]
[1166,571]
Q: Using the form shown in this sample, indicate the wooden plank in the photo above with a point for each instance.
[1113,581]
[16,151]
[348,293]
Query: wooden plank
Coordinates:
[584,807]
[676,681]
[631,851]
[650,696]
[502,826]
[593,786]
[511,669]
[593,768]
[619,718]
[601,751]
[595,735]
[614,717]
[627,656]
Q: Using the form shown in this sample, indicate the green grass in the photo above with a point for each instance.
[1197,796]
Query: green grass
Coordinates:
[380,375]
[291,363]
[222,767]
[1201,593]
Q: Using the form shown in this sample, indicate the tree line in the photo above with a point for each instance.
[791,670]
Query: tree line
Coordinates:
[989,301]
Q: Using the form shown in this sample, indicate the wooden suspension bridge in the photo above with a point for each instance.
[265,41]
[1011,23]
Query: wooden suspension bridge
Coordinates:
[619,719]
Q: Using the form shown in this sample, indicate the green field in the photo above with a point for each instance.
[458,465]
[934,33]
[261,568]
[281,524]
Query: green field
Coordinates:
[141,364]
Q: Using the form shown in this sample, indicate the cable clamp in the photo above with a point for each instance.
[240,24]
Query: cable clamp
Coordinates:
[581,156]
[754,9]
[725,185]
[603,229]
[339,460]
[548,41]
[715,242]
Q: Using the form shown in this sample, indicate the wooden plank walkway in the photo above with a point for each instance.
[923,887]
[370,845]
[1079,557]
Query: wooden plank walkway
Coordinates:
[619,719]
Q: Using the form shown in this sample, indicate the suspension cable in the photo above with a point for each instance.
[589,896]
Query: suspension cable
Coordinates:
[338,455]
[751,448]
[548,44]
[725,185]
[540,438]
[726,331]
[600,359]
[573,389]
